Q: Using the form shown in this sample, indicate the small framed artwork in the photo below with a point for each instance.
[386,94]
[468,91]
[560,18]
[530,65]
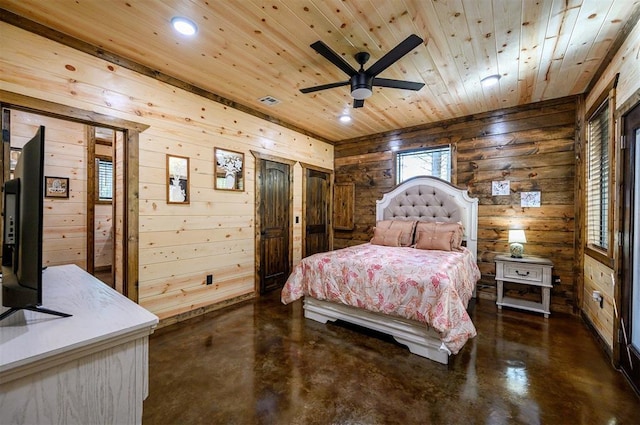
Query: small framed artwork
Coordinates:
[177,179]
[56,187]
[229,170]
[14,155]
[530,199]
[500,188]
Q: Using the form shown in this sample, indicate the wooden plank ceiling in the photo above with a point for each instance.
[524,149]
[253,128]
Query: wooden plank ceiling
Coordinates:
[248,49]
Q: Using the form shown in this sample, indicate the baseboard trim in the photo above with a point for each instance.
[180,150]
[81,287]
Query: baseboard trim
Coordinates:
[102,269]
[601,342]
[203,310]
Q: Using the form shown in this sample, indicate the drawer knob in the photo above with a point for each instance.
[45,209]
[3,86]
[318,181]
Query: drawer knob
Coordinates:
[522,274]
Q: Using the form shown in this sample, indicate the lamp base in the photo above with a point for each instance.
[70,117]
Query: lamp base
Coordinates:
[517,249]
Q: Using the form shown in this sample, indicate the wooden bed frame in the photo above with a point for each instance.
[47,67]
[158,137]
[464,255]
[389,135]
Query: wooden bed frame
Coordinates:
[423,199]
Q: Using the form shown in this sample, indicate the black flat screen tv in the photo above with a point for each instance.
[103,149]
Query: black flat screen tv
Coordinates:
[22,232]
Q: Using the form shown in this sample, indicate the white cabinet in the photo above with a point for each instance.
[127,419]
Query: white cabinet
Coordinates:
[535,271]
[89,368]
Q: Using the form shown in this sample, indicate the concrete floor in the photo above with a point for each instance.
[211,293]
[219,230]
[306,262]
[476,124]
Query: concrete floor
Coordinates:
[261,362]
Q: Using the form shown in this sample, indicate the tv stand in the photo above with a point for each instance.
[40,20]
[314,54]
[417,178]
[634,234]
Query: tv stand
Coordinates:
[91,368]
[33,308]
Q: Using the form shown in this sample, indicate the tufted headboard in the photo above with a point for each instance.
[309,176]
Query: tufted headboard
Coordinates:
[432,199]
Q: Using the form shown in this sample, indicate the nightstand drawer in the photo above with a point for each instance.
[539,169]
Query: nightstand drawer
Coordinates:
[523,272]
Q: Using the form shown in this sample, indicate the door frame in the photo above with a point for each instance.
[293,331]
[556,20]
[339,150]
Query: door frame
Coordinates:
[331,174]
[259,157]
[131,132]
[91,207]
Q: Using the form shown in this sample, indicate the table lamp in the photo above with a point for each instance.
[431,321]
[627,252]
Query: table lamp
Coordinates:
[516,239]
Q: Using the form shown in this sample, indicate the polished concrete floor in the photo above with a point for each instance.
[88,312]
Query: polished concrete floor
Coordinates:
[261,362]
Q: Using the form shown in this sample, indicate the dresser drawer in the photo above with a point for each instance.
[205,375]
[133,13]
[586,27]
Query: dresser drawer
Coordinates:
[523,272]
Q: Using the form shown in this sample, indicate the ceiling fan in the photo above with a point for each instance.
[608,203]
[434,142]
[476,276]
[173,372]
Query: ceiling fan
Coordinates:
[362,81]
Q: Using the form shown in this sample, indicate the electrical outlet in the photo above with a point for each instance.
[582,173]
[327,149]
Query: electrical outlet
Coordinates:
[556,280]
[597,297]
[209,279]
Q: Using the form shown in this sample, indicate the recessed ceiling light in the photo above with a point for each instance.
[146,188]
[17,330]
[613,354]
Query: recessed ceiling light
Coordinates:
[184,26]
[345,118]
[490,80]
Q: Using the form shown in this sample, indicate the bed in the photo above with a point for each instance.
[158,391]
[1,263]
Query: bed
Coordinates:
[393,284]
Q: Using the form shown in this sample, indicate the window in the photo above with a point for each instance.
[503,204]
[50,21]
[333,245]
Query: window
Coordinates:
[104,170]
[424,162]
[598,178]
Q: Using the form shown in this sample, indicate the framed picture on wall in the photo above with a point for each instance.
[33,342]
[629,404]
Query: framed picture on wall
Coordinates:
[229,170]
[530,199]
[177,179]
[56,187]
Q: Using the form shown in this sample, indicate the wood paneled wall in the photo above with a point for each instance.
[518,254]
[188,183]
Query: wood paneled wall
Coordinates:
[65,220]
[178,244]
[597,277]
[531,146]
[626,62]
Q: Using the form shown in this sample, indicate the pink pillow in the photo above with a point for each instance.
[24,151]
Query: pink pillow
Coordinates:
[406,227]
[456,228]
[386,237]
[434,240]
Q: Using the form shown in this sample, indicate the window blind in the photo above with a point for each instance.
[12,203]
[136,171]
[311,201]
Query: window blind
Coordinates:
[598,178]
[105,179]
[425,162]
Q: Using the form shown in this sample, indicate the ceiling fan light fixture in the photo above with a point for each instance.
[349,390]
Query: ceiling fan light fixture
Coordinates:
[345,118]
[361,93]
[490,80]
[361,84]
[184,26]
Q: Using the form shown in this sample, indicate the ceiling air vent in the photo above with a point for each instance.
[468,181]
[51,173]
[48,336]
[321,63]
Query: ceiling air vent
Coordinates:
[269,100]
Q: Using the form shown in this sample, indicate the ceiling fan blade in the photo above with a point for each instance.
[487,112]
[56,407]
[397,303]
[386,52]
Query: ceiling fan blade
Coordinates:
[358,103]
[333,57]
[397,84]
[324,87]
[394,54]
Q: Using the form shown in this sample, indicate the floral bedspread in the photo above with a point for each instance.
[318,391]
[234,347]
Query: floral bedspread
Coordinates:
[432,287]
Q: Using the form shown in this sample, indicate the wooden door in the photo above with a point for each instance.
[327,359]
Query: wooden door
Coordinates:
[275,218]
[629,340]
[317,201]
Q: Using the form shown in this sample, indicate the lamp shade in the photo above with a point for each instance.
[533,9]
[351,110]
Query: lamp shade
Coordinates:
[517,236]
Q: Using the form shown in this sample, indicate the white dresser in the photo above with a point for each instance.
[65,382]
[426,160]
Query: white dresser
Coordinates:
[86,369]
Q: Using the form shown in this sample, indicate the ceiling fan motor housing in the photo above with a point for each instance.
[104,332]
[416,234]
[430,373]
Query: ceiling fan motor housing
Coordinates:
[361,85]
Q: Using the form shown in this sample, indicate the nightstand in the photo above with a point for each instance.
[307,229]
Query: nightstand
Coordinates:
[527,270]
